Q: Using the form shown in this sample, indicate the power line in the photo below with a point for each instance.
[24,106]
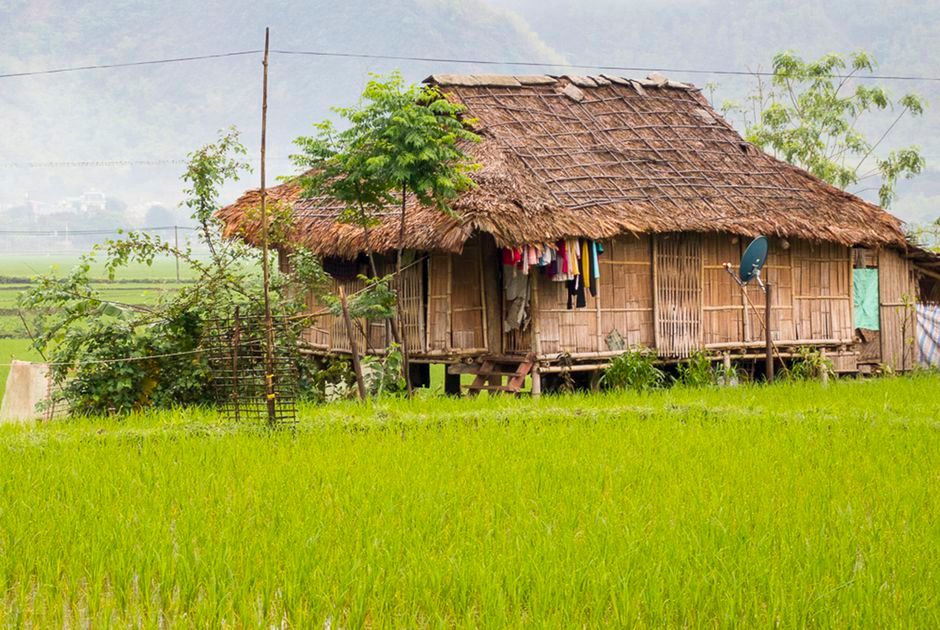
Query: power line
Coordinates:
[113,163]
[101,232]
[540,64]
[454,60]
[128,64]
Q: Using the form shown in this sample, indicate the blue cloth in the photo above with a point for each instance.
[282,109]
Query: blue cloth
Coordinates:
[865,290]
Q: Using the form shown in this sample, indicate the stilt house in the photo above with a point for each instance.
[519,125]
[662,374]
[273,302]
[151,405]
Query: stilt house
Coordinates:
[603,214]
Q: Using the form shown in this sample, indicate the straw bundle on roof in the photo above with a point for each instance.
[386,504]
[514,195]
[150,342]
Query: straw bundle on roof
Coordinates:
[593,157]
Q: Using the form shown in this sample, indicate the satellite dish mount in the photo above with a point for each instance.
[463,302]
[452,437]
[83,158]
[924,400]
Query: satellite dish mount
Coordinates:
[752,261]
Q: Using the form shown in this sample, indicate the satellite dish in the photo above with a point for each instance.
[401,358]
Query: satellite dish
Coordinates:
[753,259]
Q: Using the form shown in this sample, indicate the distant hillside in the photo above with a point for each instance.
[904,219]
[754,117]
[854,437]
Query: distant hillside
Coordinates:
[160,112]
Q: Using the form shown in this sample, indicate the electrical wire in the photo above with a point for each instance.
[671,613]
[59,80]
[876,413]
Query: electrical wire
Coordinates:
[101,232]
[543,64]
[114,163]
[451,60]
[128,64]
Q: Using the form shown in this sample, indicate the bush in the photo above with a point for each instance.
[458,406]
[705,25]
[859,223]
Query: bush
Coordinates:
[634,369]
[107,357]
[809,364]
[697,370]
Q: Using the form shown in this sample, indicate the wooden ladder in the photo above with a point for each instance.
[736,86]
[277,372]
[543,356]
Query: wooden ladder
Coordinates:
[513,368]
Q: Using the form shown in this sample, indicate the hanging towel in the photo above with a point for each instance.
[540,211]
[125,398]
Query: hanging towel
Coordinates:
[586,266]
[865,293]
[596,268]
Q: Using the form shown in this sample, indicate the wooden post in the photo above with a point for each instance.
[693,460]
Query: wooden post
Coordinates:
[268,322]
[824,376]
[767,333]
[236,339]
[353,349]
[536,332]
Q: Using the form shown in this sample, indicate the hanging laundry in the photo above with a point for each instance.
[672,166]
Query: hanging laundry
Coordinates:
[516,289]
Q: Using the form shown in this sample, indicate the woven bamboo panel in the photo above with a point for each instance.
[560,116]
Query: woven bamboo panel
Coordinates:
[338,339]
[329,331]
[412,302]
[561,329]
[467,297]
[822,300]
[625,291]
[897,292]
[438,335]
[317,334]
[723,312]
[678,294]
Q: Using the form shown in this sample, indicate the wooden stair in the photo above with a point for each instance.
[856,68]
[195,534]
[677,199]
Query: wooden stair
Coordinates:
[491,371]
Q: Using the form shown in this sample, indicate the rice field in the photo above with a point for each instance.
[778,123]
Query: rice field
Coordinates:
[790,505]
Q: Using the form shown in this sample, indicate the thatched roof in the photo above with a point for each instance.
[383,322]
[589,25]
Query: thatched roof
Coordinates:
[595,157]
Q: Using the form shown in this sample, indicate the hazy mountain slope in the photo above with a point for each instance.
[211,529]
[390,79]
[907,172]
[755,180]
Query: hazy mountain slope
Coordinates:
[156,112]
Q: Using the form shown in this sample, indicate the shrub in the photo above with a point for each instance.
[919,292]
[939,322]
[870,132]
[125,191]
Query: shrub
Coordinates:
[634,369]
[809,364]
[697,370]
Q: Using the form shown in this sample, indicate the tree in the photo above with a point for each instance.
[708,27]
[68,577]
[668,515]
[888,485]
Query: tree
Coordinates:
[94,345]
[812,113]
[402,140]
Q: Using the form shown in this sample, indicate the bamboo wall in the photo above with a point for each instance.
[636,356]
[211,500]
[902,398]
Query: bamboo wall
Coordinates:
[457,317]
[328,332]
[624,303]
[897,294]
[669,291]
[677,281]
[697,303]
[822,303]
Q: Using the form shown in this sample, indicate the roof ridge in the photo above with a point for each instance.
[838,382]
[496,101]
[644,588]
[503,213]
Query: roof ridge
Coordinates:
[653,80]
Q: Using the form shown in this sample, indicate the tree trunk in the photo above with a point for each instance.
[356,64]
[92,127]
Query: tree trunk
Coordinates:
[399,292]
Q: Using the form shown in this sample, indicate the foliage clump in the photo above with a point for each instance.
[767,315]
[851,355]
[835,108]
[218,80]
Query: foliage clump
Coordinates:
[697,370]
[812,115]
[634,369]
[809,364]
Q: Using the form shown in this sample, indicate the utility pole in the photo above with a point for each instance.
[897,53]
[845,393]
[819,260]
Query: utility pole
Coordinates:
[268,323]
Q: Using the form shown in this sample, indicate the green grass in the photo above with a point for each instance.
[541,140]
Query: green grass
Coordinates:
[789,505]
